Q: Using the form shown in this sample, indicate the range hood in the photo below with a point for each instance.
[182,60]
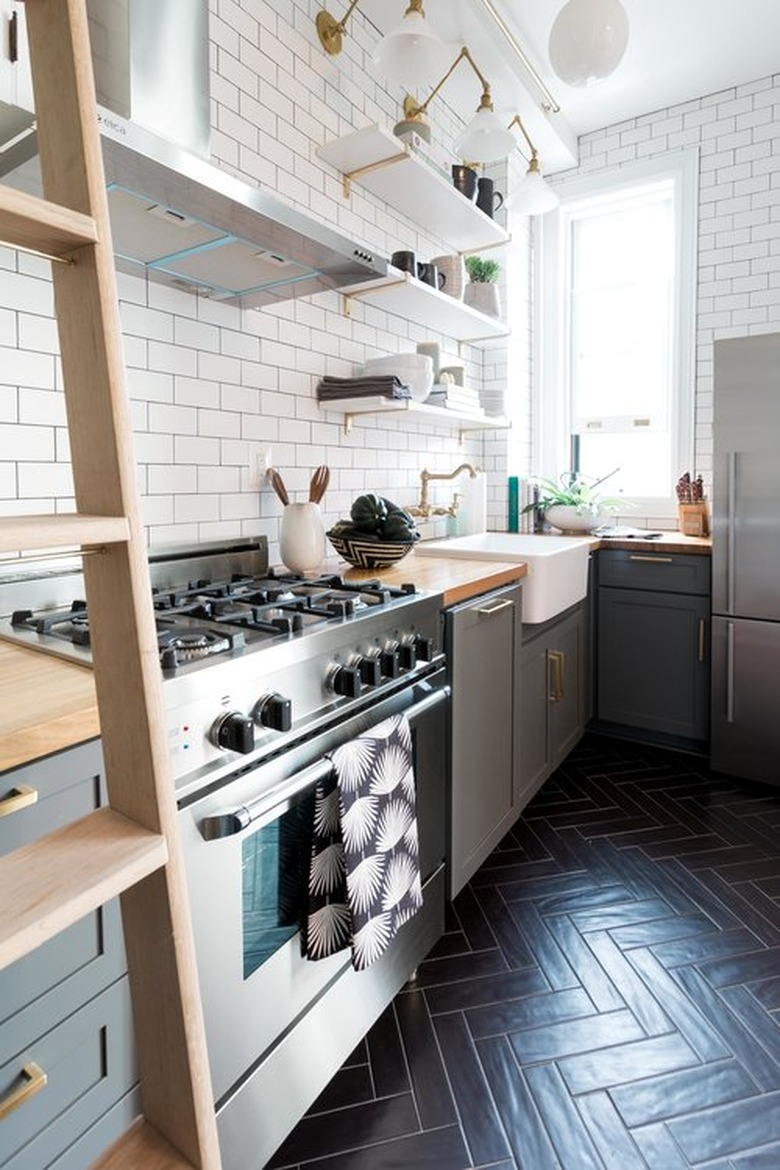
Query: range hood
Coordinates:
[175,216]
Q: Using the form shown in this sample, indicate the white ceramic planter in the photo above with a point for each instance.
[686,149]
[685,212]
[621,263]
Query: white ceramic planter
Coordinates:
[567,519]
[302,537]
[483,295]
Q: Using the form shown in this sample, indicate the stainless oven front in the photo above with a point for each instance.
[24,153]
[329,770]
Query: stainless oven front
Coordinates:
[278,1025]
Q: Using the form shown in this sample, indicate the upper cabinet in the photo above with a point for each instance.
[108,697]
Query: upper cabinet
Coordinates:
[389,169]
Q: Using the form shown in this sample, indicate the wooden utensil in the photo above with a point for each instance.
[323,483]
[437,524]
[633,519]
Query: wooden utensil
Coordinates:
[319,483]
[277,483]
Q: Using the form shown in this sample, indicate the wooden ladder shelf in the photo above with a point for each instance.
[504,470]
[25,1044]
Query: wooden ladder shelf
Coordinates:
[131,847]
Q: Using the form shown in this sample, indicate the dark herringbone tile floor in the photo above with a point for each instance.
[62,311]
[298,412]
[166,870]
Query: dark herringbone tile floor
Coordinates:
[607,994]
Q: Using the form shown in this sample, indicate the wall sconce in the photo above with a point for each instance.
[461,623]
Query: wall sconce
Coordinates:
[411,54]
[587,40]
[532,196]
[483,140]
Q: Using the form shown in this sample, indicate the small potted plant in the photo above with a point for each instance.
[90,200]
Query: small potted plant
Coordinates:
[572,503]
[482,292]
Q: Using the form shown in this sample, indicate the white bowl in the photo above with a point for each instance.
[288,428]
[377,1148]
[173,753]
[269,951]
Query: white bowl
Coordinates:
[416,369]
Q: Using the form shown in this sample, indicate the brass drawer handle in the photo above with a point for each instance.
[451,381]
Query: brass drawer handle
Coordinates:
[556,658]
[34,1080]
[18,798]
[656,560]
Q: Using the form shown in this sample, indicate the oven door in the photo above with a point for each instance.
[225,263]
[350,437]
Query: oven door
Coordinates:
[244,842]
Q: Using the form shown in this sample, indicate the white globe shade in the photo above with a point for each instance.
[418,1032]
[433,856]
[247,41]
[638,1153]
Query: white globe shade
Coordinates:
[485,139]
[587,40]
[411,55]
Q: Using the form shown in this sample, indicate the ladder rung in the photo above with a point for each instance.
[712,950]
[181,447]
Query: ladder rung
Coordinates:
[24,533]
[39,226]
[49,884]
[142,1146]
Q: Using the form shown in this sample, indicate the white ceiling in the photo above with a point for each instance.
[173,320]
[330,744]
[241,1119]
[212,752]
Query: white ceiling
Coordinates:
[677,50]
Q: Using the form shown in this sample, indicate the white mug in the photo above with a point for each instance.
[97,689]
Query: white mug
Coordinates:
[302,537]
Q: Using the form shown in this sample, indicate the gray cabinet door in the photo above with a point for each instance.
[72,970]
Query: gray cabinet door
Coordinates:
[746,698]
[483,652]
[653,668]
[553,695]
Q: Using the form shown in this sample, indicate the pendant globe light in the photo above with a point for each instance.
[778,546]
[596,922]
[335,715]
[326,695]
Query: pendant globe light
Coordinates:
[587,40]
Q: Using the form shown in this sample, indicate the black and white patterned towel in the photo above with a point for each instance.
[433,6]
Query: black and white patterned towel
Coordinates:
[364,879]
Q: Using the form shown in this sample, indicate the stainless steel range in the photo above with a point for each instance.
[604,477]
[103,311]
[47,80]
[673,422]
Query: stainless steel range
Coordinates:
[265,675]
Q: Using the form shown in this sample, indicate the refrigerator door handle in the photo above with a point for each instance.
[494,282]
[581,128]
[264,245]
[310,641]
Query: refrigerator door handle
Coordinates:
[730,633]
[731,520]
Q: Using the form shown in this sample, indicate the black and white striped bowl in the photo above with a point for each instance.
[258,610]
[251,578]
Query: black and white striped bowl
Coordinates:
[369,554]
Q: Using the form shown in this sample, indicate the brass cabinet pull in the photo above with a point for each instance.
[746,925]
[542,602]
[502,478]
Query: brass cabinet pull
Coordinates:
[702,631]
[556,659]
[34,1080]
[497,606]
[657,560]
[18,798]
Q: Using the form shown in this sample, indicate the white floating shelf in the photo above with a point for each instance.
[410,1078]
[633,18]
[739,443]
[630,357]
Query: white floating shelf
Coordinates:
[413,299]
[353,407]
[411,186]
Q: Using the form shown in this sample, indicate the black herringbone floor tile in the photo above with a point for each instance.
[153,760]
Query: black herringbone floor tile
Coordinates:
[606,995]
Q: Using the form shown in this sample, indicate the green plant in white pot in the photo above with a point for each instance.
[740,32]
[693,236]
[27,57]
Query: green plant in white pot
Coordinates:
[481,291]
[572,503]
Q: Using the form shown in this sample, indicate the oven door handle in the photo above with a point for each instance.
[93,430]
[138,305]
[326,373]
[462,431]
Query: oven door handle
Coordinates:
[228,824]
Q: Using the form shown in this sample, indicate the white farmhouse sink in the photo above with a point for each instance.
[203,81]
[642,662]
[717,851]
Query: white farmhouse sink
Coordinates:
[557,565]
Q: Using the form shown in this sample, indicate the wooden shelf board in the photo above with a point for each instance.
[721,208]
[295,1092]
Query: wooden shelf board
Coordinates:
[49,884]
[39,226]
[412,187]
[142,1146]
[400,293]
[25,533]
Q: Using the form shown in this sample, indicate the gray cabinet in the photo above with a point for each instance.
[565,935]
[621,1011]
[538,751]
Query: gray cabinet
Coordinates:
[482,639]
[554,694]
[653,643]
[64,1007]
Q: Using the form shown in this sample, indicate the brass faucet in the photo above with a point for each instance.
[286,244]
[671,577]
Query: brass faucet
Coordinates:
[425,509]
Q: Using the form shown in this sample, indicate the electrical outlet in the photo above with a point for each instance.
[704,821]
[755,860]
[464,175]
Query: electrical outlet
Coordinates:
[263,463]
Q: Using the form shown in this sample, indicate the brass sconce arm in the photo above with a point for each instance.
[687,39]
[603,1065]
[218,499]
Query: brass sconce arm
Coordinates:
[332,32]
[413,109]
[534,162]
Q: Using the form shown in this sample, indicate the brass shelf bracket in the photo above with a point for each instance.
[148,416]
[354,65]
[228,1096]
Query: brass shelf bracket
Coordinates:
[350,176]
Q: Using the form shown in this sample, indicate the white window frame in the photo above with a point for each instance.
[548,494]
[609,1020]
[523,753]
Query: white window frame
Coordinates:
[552,423]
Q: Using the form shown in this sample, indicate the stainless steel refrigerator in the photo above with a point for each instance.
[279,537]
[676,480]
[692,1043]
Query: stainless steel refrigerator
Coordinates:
[746,559]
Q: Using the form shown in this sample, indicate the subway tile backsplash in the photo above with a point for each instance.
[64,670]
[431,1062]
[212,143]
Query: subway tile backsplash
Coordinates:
[208,382]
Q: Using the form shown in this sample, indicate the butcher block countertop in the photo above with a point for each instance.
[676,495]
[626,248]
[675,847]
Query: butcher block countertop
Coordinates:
[48,703]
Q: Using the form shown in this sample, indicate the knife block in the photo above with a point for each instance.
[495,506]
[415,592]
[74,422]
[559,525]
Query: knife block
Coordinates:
[693,519]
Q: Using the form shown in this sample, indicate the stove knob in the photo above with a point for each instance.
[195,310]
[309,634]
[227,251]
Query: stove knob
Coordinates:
[407,656]
[234,732]
[344,680]
[273,711]
[389,662]
[368,668]
[424,647]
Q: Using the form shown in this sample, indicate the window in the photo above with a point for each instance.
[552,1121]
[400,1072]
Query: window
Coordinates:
[615,331]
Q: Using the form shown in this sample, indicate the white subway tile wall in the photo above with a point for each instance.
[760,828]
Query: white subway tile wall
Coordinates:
[209,383]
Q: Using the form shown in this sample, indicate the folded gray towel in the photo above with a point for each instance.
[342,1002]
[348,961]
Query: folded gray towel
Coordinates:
[377,385]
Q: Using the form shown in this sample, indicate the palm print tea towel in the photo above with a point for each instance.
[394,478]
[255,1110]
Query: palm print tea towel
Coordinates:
[364,880]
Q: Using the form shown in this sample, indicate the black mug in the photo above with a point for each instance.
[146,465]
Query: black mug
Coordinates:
[465,179]
[430,274]
[488,200]
[406,261]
